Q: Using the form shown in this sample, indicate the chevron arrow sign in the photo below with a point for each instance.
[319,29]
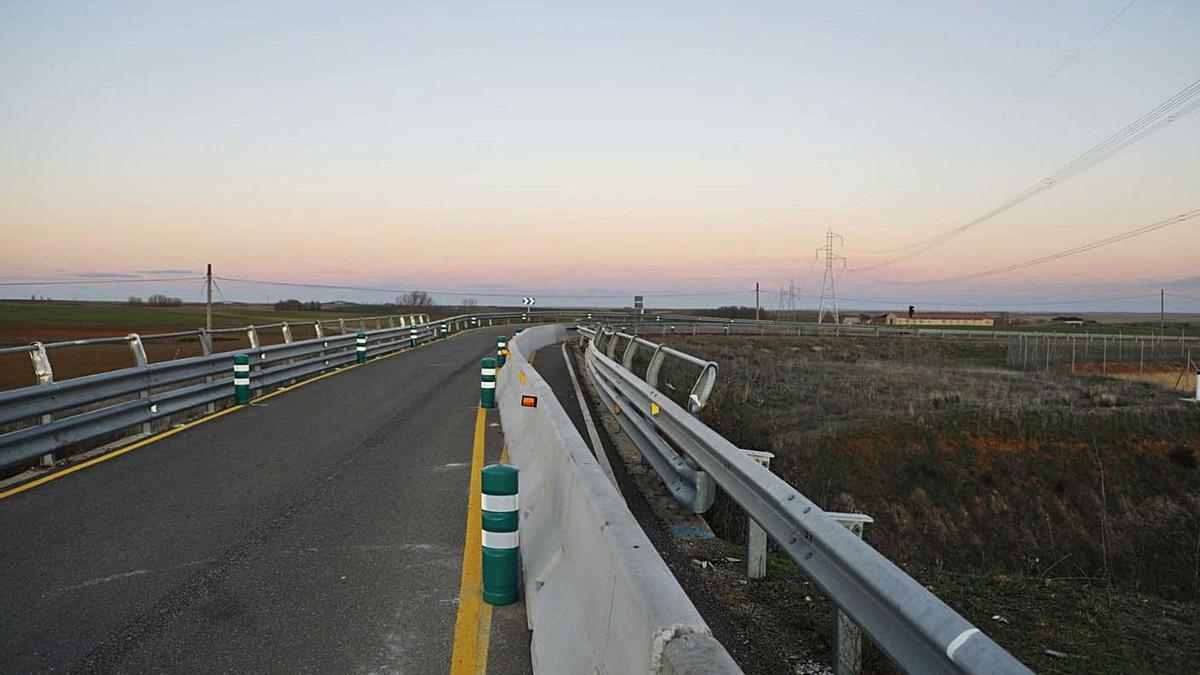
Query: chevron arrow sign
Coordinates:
[529,301]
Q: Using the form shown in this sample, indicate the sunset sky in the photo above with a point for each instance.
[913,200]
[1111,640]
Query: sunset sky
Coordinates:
[583,152]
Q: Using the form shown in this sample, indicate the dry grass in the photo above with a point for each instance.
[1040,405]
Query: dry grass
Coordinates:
[969,467]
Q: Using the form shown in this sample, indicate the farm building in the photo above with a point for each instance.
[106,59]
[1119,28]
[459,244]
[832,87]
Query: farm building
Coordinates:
[935,319]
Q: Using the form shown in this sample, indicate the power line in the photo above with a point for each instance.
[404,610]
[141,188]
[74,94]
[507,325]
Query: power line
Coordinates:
[64,282]
[1070,58]
[1165,113]
[1083,248]
[372,289]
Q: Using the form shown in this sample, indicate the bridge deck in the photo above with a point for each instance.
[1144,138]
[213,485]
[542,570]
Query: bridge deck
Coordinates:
[319,531]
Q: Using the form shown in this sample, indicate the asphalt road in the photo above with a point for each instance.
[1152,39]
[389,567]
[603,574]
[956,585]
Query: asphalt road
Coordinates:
[320,531]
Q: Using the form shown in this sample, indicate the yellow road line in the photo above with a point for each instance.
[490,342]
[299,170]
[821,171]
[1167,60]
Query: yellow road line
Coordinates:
[472,627]
[208,418]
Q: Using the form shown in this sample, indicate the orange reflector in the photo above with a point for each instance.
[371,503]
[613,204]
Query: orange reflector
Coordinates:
[529,401]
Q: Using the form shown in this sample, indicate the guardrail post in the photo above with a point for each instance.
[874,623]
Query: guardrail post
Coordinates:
[319,330]
[847,636]
[241,379]
[501,350]
[206,349]
[140,360]
[756,537]
[360,348]
[205,342]
[341,326]
[45,375]
[252,333]
[656,362]
[287,333]
[501,538]
[487,383]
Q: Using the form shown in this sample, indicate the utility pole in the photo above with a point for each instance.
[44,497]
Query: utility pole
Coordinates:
[756,301]
[208,303]
[828,293]
[1162,310]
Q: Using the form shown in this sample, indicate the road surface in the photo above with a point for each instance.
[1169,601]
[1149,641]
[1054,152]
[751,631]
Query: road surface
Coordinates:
[321,530]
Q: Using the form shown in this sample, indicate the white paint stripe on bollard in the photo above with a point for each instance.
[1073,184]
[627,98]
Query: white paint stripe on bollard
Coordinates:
[499,503]
[487,385]
[500,539]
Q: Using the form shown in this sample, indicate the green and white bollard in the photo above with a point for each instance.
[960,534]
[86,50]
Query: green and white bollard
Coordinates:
[501,350]
[501,541]
[487,383]
[412,337]
[360,348]
[241,379]
[445,332]
[518,330]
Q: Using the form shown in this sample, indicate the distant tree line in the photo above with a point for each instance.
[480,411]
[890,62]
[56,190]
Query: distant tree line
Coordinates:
[293,305]
[156,300]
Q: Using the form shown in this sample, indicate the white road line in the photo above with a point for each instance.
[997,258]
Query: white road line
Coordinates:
[597,446]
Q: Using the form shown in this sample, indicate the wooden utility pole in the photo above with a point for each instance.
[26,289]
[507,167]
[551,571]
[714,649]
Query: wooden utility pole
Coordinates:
[756,301]
[1162,310]
[208,302]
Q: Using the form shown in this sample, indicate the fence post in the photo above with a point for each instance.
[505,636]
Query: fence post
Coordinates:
[45,375]
[501,533]
[140,360]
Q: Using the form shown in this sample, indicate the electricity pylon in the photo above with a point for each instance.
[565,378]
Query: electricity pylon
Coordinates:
[828,293]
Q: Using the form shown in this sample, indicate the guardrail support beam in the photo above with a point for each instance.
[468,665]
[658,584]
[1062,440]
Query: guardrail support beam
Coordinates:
[45,375]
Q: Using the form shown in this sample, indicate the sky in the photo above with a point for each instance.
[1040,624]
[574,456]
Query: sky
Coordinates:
[584,152]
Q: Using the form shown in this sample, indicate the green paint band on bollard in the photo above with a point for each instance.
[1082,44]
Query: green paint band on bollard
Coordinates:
[501,539]
[412,337]
[241,379]
[501,350]
[487,383]
[360,348]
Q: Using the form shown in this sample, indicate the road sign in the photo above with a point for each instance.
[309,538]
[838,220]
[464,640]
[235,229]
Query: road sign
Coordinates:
[638,304]
[529,301]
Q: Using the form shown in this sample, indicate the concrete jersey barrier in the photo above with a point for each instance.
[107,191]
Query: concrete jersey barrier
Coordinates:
[598,596]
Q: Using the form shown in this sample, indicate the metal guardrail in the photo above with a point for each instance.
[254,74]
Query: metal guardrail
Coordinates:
[78,410]
[684,478]
[910,624]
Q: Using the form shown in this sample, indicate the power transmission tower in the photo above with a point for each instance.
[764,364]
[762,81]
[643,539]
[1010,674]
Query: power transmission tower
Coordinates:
[828,294]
